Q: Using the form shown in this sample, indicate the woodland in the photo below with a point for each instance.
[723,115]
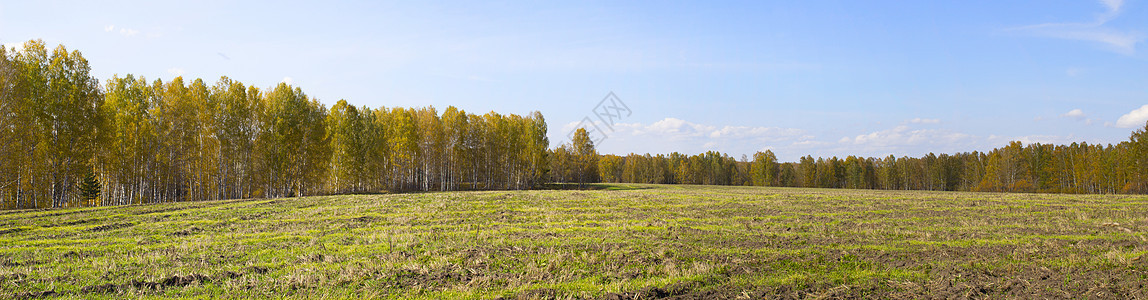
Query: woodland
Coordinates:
[69,140]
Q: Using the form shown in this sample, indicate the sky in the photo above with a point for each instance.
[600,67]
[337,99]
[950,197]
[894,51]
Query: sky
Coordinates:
[824,78]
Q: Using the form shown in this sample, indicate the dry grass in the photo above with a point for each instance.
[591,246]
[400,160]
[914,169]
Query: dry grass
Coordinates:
[624,241]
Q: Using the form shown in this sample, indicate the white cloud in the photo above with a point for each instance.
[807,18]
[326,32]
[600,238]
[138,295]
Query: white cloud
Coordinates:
[128,32]
[925,121]
[1120,41]
[904,140]
[288,80]
[1075,114]
[1134,118]
[677,135]
[1078,115]
[669,127]
[811,143]
[1113,5]
[905,136]
[176,71]
[677,130]
[914,137]
[752,132]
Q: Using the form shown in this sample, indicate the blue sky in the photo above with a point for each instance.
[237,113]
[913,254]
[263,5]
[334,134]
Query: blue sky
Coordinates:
[799,77]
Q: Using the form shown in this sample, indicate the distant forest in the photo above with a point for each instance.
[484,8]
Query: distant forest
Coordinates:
[68,141]
[1043,168]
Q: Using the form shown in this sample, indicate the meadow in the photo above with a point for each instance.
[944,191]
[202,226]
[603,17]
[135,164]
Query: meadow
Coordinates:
[619,241]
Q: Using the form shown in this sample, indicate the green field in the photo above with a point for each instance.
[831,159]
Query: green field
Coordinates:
[614,241]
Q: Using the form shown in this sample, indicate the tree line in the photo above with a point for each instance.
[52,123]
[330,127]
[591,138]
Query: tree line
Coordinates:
[66,141]
[1045,168]
[712,168]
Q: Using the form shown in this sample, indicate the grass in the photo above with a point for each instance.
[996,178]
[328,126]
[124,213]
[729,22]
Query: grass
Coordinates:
[626,241]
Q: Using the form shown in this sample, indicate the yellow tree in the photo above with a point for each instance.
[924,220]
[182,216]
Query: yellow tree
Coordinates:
[1138,152]
[127,152]
[430,148]
[29,92]
[316,151]
[494,137]
[537,143]
[205,155]
[587,157]
[377,149]
[281,141]
[454,137]
[12,134]
[514,163]
[235,127]
[993,178]
[563,164]
[764,169]
[610,168]
[68,122]
[402,137]
[179,129]
[347,132]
